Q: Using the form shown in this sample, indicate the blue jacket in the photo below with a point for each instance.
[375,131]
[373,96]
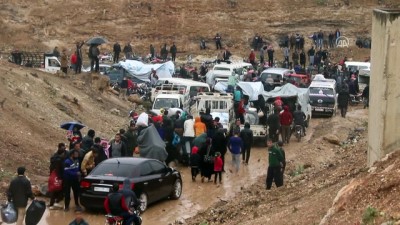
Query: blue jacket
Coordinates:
[235,145]
[71,169]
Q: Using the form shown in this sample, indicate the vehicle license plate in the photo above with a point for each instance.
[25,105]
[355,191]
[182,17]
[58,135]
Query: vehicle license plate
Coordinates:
[319,110]
[101,189]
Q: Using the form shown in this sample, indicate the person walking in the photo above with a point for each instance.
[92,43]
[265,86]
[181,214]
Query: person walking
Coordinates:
[286,120]
[218,163]
[247,137]
[195,161]
[273,126]
[220,144]
[283,165]
[79,218]
[117,51]
[19,192]
[173,51]
[71,177]
[275,163]
[188,134]
[235,146]
[343,100]
[79,60]
[207,164]
[57,167]
[88,140]
[73,60]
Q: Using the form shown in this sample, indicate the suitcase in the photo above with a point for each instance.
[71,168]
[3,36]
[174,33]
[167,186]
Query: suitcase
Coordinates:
[35,212]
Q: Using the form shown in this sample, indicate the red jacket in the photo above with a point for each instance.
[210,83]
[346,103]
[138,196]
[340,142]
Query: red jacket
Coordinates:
[123,205]
[286,117]
[252,56]
[74,59]
[218,164]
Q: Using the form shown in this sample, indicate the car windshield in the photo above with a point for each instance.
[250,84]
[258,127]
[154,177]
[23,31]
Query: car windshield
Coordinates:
[165,103]
[321,91]
[275,76]
[222,68]
[114,170]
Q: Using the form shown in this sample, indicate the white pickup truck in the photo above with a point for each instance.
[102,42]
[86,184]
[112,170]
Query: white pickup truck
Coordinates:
[46,62]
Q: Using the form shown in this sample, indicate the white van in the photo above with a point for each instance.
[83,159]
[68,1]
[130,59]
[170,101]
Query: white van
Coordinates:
[354,66]
[167,101]
[224,70]
[323,97]
[180,86]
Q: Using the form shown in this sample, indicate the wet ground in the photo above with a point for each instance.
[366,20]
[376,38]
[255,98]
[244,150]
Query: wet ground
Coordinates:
[196,196]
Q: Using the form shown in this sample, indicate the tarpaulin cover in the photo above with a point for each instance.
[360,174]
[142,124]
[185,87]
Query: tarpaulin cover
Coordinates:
[289,90]
[252,89]
[142,71]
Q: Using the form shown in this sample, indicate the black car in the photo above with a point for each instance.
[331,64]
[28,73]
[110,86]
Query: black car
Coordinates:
[152,181]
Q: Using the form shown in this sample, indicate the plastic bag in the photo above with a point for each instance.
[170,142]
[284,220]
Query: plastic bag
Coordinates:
[143,120]
[35,212]
[176,139]
[54,182]
[8,213]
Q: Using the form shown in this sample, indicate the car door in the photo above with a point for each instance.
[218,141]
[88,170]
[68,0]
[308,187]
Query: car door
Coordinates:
[150,181]
[165,180]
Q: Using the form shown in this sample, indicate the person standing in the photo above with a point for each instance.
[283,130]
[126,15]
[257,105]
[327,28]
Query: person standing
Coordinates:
[152,52]
[164,53]
[235,146]
[117,147]
[88,140]
[220,144]
[100,150]
[188,134]
[286,54]
[64,61]
[270,53]
[57,166]
[117,51]
[273,126]
[71,178]
[252,58]
[218,40]
[226,55]
[262,54]
[311,54]
[78,218]
[173,51]
[128,51]
[286,120]
[295,58]
[247,137]
[131,140]
[195,161]
[78,67]
[283,165]
[303,59]
[275,163]
[73,61]
[218,163]
[19,192]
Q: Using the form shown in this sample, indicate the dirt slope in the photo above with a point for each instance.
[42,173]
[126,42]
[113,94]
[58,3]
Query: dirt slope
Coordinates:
[36,103]
[317,170]
[44,24]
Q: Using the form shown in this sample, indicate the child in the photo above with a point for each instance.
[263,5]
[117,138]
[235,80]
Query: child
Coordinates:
[195,162]
[218,163]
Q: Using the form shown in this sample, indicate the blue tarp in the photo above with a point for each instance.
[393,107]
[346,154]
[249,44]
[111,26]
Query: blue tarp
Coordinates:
[142,71]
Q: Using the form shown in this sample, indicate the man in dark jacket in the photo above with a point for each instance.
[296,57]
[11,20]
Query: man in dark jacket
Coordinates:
[79,57]
[71,179]
[247,137]
[343,100]
[173,51]
[57,164]
[303,59]
[152,52]
[115,205]
[275,166]
[100,150]
[273,126]
[128,51]
[286,120]
[18,192]
[131,140]
[299,118]
[87,141]
[117,51]
[164,53]
[365,95]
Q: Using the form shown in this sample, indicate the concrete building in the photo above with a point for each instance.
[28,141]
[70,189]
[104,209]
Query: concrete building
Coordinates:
[384,109]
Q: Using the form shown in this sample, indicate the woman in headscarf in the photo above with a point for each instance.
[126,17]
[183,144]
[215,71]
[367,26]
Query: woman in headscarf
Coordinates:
[206,168]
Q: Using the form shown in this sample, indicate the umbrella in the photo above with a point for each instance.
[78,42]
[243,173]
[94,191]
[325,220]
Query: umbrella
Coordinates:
[71,125]
[96,41]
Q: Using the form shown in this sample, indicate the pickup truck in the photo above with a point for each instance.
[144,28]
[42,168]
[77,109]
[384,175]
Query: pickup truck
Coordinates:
[44,61]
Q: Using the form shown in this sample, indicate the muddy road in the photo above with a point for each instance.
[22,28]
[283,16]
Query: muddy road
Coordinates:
[196,196]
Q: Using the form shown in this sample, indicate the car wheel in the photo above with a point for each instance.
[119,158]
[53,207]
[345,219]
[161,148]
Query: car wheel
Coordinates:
[177,189]
[143,202]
